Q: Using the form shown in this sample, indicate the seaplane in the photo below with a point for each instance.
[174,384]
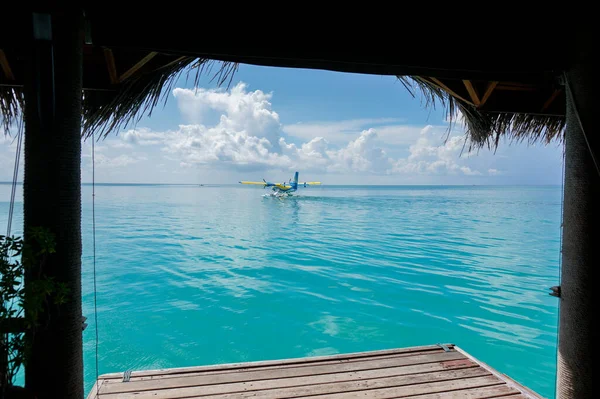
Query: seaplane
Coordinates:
[283,189]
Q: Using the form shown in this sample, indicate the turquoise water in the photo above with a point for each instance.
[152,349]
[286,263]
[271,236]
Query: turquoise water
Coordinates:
[191,275]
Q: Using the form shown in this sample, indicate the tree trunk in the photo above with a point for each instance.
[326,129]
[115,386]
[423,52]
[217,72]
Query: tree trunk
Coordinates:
[580,254]
[52,196]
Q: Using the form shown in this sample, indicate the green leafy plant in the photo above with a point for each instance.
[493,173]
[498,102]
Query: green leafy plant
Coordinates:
[21,305]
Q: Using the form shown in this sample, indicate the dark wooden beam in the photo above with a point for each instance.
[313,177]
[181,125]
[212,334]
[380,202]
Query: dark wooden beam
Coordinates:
[449,90]
[550,100]
[176,60]
[111,66]
[472,92]
[6,66]
[488,92]
[515,86]
[333,46]
[131,71]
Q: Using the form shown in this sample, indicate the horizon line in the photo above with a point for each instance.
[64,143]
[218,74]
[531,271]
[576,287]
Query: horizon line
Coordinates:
[235,184]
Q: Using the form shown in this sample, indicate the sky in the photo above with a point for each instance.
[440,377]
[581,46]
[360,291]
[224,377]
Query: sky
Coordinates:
[337,128]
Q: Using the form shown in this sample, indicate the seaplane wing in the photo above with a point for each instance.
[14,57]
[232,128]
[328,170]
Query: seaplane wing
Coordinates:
[311,183]
[260,183]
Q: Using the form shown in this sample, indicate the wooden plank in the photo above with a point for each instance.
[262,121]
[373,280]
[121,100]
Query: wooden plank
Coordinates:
[355,386]
[278,383]
[283,366]
[294,361]
[94,390]
[475,393]
[111,66]
[472,92]
[112,386]
[550,100]
[6,66]
[449,90]
[421,373]
[393,387]
[416,389]
[137,66]
[528,393]
[488,92]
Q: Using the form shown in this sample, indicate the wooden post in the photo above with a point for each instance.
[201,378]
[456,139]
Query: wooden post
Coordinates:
[52,196]
[580,252]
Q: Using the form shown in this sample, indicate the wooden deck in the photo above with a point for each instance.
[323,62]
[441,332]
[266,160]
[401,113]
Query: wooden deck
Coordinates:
[425,372]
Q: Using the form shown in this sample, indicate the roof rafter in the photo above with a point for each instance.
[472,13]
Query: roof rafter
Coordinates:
[550,100]
[437,82]
[6,66]
[131,71]
[111,66]
[488,92]
[472,92]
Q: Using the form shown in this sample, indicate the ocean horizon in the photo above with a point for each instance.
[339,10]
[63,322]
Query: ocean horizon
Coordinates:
[20,183]
[191,275]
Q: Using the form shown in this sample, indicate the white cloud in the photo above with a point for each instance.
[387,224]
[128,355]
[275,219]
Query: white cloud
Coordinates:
[248,135]
[335,131]
[457,118]
[196,144]
[242,111]
[103,161]
[360,155]
[120,144]
[240,130]
[428,157]
[8,140]
[141,136]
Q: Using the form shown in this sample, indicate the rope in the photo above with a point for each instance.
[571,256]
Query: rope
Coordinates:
[94,254]
[15,177]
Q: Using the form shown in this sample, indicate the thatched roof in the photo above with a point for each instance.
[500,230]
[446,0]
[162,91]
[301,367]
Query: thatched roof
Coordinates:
[129,67]
[485,126]
[106,111]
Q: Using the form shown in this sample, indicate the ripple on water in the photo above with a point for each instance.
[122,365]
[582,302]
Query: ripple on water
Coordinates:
[188,276]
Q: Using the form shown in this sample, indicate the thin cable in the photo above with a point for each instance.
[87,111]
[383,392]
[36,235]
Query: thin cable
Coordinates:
[15,177]
[576,110]
[94,253]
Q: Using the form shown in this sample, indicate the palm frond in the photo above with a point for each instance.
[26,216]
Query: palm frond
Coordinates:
[11,106]
[487,128]
[106,111]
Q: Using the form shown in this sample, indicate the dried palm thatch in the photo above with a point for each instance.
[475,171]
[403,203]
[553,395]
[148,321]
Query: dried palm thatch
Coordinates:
[487,128]
[11,104]
[107,111]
